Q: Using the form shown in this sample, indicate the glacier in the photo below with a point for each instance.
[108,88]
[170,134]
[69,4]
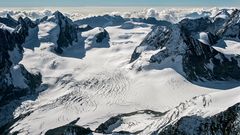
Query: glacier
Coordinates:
[132,72]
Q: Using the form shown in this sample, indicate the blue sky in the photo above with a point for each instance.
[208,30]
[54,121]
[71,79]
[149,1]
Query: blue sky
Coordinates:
[77,3]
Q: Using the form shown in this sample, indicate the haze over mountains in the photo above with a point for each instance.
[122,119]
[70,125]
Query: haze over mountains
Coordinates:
[123,73]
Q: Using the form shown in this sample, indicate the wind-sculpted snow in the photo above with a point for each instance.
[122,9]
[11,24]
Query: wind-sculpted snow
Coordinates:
[96,38]
[95,70]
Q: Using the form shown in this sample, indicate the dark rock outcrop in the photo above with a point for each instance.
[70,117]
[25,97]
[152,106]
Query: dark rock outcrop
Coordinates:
[116,121]
[101,35]
[83,28]
[69,129]
[202,61]
[195,25]
[231,27]
[68,31]
[9,21]
[224,123]
[102,21]
[156,39]
[150,20]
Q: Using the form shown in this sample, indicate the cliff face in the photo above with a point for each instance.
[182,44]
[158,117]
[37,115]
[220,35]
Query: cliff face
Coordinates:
[15,80]
[67,31]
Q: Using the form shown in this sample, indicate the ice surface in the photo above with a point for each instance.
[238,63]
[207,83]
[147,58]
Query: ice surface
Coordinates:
[203,37]
[228,47]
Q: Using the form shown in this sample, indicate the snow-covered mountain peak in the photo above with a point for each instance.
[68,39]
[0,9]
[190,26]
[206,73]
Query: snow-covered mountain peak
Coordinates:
[191,39]
[58,30]
[61,19]
[223,14]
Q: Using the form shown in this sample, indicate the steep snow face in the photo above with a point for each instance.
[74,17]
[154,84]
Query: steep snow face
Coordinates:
[48,32]
[97,37]
[228,47]
[162,48]
[203,37]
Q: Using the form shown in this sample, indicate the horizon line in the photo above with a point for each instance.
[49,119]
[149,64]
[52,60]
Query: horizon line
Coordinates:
[122,6]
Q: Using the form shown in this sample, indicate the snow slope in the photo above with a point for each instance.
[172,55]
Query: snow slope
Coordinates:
[228,47]
[150,122]
[99,85]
